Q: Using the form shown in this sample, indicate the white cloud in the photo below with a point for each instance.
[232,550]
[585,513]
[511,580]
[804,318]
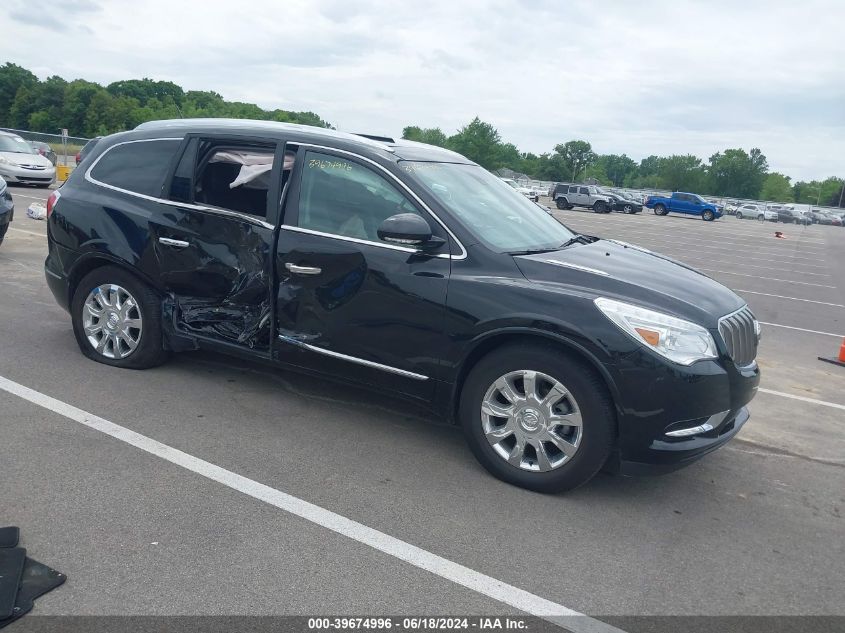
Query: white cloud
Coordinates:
[641,78]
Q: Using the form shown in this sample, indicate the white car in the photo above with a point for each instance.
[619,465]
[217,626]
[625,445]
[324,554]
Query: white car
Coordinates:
[529,193]
[755,213]
[20,163]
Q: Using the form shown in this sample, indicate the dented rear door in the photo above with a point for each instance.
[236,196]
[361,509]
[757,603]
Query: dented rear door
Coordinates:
[215,263]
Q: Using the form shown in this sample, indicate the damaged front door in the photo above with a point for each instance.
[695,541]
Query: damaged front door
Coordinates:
[214,242]
[349,302]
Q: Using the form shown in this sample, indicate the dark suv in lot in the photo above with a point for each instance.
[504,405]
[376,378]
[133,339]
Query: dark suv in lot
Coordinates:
[407,268]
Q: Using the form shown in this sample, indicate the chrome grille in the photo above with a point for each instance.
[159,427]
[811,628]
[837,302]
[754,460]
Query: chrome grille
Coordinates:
[738,332]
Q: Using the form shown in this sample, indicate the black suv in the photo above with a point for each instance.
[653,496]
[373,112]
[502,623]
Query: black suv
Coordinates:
[408,268]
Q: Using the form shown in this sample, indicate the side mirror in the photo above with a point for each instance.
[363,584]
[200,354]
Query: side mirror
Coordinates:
[405,229]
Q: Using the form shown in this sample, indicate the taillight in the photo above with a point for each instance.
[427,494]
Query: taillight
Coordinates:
[51,201]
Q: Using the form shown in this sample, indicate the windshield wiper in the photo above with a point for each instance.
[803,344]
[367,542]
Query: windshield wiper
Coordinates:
[532,251]
[576,239]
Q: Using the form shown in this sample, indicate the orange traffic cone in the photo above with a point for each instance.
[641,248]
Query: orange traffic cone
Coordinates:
[840,360]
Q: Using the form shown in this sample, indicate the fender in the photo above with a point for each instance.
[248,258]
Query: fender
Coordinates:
[86,262]
[494,337]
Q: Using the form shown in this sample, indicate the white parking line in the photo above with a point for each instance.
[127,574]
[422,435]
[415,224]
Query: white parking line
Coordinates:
[411,554]
[693,259]
[11,228]
[788,281]
[823,403]
[801,329]
[766,294]
[741,258]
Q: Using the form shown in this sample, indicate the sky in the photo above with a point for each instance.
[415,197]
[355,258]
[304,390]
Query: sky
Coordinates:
[640,78]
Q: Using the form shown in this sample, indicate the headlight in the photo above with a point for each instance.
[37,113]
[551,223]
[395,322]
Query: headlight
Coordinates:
[680,341]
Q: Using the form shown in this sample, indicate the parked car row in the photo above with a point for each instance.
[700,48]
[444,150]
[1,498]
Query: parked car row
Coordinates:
[528,192]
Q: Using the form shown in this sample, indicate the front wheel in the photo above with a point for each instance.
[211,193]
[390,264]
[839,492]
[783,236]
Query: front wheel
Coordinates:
[117,320]
[708,216]
[537,418]
[628,208]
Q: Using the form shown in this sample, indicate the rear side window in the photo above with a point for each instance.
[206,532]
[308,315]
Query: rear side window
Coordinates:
[139,166]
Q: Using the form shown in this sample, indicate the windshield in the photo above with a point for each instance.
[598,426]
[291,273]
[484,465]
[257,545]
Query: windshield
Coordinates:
[15,144]
[495,213]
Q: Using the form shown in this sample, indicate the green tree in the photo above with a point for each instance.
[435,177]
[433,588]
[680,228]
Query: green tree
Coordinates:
[738,174]
[577,154]
[432,135]
[681,173]
[776,188]
[617,168]
[480,142]
[12,79]
[825,192]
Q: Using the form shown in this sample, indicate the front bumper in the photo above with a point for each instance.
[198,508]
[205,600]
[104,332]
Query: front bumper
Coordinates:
[661,404]
[674,455]
[23,175]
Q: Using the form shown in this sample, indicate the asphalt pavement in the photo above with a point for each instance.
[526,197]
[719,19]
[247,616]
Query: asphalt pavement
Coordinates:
[755,528]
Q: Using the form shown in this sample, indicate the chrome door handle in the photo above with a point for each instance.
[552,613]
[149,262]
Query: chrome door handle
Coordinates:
[303,270]
[174,243]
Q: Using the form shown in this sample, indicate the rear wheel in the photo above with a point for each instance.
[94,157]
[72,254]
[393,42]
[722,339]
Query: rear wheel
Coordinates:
[600,206]
[561,203]
[117,319]
[708,215]
[659,209]
[537,418]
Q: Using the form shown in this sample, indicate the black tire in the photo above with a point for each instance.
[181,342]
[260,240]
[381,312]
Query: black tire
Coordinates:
[560,203]
[738,215]
[599,206]
[628,208]
[708,216]
[590,392]
[43,186]
[660,210]
[149,351]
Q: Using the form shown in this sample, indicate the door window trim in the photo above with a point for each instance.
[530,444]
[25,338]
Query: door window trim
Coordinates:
[173,203]
[405,190]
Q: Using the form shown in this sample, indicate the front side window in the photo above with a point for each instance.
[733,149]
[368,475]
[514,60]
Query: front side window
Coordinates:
[137,166]
[585,191]
[500,217]
[341,197]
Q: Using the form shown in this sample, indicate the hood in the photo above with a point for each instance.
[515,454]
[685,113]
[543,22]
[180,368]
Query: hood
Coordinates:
[628,273]
[17,158]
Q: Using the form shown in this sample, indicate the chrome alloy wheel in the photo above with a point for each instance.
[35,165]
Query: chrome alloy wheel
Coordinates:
[531,420]
[112,321]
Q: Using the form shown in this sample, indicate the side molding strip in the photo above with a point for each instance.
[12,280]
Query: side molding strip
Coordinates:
[353,359]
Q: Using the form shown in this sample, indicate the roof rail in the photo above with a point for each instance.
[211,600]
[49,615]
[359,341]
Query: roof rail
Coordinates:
[375,137]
